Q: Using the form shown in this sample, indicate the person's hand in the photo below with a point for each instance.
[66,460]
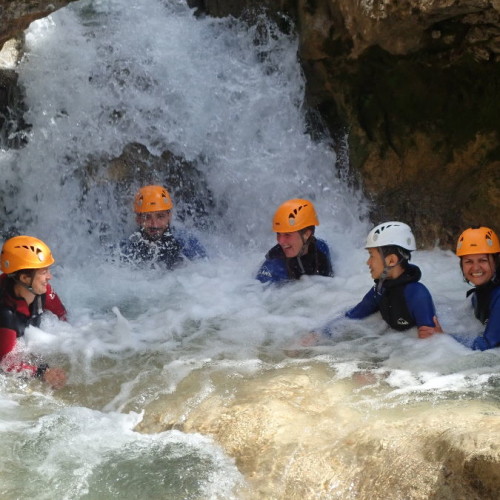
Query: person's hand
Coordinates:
[425,332]
[311,338]
[55,377]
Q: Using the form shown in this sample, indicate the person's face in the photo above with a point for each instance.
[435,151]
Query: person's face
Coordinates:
[41,278]
[291,243]
[154,224]
[375,263]
[478,268]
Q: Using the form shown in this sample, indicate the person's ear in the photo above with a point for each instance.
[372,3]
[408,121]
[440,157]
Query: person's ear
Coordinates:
[24,278]
[391,259]
[307,234]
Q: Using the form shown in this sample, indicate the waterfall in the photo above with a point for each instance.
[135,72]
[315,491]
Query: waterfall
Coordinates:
[145,350]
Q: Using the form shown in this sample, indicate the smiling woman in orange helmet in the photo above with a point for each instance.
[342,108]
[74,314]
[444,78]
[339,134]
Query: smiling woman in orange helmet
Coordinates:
[157,242]
[25,294]
[479,251]
[298,251]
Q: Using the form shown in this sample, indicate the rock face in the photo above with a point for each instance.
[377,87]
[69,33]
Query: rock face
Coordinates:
[16,16]
[415,83]
[137,166]
[298,434]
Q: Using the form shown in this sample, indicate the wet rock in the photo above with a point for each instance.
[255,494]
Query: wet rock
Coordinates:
[12,125]
[17,16]
[137,167]
[297,433]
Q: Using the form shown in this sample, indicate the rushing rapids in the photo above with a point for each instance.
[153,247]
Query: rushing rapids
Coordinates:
[189,384]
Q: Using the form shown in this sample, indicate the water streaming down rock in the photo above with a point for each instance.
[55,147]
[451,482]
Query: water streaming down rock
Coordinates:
[179,384]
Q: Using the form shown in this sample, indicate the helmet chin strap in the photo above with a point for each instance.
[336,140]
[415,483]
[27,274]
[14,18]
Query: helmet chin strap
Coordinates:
[387,269]
[24,285]
[302,251]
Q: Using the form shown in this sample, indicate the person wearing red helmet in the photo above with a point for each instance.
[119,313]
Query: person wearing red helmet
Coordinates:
[298,251]
[25,293]
[156,242]
[479,251]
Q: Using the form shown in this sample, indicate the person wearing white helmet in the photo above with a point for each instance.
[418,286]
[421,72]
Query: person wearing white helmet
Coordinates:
[397,294]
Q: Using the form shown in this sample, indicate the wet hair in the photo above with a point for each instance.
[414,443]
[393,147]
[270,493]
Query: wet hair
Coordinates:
[310,228]
[401,252]
[17,275]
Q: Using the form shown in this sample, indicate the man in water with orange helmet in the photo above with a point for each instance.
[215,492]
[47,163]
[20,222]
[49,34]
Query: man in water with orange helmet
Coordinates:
[298,251]
[25,294]
[156,242]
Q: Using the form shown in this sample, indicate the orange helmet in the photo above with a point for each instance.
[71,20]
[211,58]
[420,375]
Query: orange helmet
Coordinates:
[294,215]
[477,240]
[152,199]
[25,252]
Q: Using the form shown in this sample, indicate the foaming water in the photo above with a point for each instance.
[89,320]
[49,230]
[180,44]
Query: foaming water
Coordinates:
[101,75]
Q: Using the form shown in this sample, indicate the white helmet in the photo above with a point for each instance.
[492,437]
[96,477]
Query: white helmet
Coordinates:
[391,233]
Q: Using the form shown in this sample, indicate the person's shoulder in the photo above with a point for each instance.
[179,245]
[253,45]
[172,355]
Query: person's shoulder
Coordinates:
[416,290]
[275,253]
[323,247]
[495,295]
[322,244]
[7,317]
[189,242]
[182,234]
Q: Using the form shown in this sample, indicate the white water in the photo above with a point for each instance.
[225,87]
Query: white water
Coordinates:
[200,89]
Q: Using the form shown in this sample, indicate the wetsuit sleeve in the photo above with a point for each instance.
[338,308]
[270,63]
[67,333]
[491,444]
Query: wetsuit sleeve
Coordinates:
[54,305]
[272,271]
[191,247]
[365,308]
[8,339]
[491,335]
[420,304]
[264,274]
